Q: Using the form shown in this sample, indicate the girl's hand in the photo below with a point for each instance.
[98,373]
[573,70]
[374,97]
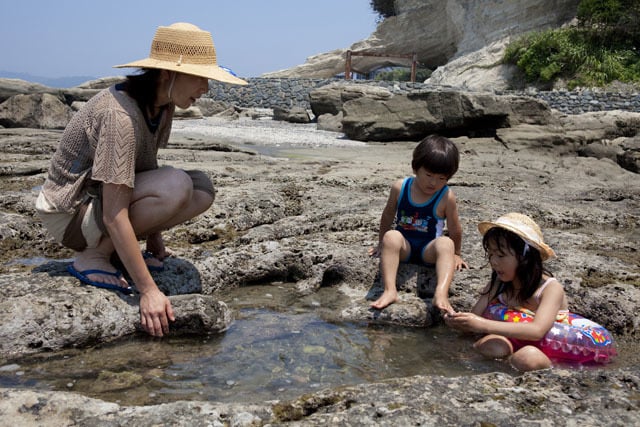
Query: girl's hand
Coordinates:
[467,322]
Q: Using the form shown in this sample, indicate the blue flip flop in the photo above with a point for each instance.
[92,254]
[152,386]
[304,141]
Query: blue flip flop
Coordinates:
[152,268]
[82,276]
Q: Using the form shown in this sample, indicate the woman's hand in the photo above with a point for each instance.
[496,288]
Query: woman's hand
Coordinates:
[155,312]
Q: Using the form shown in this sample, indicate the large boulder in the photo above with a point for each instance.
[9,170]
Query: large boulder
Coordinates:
[39,110]
[12,87]
[330,98]
[414,115]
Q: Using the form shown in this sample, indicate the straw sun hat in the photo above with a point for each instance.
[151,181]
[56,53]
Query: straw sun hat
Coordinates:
[524,227]
[187,49]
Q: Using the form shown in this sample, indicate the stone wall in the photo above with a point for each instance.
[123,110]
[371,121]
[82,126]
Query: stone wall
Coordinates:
[287,93]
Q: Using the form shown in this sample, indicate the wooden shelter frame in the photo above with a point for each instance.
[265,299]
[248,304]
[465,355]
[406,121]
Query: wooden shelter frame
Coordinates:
[413,57]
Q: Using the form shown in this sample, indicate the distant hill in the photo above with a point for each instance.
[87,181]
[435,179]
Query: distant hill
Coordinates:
[59,82]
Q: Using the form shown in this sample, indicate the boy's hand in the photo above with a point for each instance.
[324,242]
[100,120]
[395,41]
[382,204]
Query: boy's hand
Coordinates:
[459,263]
[374,251]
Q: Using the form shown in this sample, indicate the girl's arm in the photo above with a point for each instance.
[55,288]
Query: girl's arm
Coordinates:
[155,308]
[546,313]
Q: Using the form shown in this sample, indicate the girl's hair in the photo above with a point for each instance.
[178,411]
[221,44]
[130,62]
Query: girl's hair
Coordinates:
[436,154]
[143,88]
[529,270]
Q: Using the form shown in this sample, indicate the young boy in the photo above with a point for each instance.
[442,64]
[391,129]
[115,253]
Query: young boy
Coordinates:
[419,206]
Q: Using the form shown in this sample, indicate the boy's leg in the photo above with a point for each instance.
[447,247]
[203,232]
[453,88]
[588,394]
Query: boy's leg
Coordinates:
[441,252]
[394,248]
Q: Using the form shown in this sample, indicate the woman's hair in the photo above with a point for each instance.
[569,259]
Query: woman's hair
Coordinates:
[436,154]
[143,88]
[529,270]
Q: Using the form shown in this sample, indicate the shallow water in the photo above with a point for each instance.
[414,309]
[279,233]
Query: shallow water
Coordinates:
[279,347]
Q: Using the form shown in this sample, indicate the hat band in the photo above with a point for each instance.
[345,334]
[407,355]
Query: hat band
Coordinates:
[171,52]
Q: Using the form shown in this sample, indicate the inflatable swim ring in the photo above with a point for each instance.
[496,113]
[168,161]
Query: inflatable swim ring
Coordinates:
[572,338]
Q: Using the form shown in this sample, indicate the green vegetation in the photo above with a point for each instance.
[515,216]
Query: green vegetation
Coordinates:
[384,8]
[602,48]
[402,74]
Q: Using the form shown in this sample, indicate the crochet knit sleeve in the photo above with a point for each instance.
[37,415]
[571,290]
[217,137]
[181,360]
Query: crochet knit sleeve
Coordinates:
[115,155]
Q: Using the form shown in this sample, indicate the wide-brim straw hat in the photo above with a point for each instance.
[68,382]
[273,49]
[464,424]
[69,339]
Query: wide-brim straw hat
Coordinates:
[187,49]
[524,227]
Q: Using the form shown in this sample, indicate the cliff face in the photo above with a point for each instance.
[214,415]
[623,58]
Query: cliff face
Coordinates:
[440,31]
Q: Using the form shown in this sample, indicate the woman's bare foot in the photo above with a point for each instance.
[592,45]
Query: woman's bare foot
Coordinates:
[91,259]
[387,298]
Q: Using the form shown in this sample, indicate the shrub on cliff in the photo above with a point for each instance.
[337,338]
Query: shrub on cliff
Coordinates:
[384,8]
[602,48]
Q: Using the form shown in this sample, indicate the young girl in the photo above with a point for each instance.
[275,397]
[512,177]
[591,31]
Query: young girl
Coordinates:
[523,310]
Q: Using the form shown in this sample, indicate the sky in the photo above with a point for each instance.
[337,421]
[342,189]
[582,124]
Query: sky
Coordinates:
[61,38]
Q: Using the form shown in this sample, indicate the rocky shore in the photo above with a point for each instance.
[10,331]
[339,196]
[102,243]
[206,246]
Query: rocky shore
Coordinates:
[302,206]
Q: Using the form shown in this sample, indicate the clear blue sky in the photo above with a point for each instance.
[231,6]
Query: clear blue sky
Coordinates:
[60,38]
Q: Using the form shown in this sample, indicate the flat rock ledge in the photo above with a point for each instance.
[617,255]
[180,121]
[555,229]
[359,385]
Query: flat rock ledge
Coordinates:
[543,398]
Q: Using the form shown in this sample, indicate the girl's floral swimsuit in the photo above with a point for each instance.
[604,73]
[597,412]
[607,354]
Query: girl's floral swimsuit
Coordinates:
[572,338]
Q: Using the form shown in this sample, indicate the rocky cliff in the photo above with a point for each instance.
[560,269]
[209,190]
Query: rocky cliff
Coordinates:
[463,39]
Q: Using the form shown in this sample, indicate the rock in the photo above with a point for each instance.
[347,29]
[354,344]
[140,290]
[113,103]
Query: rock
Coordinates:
[330,122]
[330,98]
[305,215]
[415,115]
[192,112]
[210,107]
[630,157]
[440,32]
[291,115]
[41,110]
[11,87]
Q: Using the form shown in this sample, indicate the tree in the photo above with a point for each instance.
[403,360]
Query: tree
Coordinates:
[384,8]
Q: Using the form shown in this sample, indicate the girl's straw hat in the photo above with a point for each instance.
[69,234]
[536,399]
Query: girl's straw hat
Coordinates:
[524,227]
[187,49]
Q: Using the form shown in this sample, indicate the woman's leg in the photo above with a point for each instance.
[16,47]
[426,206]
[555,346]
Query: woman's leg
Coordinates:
[164,198]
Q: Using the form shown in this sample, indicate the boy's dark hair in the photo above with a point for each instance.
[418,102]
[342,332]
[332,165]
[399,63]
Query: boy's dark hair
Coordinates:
[529,270]
[436,154]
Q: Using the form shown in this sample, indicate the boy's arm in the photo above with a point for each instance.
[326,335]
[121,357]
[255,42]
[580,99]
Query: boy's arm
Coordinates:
[455,229]
[389,211]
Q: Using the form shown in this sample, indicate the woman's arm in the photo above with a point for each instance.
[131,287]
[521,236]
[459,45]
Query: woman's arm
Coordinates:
[155,308]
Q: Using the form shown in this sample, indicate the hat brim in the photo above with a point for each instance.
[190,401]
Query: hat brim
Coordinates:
[212,72]
[545,250]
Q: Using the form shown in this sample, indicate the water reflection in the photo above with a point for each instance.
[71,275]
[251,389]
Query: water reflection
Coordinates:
[265,355]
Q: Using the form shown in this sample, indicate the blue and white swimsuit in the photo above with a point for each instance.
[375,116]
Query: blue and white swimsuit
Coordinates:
[418,223]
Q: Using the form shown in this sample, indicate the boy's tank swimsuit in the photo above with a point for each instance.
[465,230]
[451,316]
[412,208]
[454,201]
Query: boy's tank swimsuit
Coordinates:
[418,223]
[572,338]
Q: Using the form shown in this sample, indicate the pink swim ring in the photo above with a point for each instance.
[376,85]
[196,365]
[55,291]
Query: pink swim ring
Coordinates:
[572,338]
